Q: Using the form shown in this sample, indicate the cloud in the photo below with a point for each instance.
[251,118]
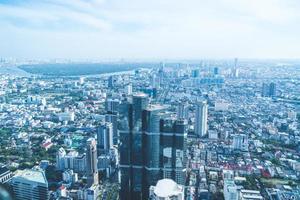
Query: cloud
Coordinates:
[52,14]
[150,29]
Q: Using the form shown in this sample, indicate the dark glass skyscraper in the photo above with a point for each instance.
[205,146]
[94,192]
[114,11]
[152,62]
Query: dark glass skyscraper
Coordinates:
[152,147]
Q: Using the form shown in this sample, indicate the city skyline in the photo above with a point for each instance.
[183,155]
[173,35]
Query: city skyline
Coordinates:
[100,29]
[149,100]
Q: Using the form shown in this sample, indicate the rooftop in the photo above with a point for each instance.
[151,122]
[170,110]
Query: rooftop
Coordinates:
[31,175]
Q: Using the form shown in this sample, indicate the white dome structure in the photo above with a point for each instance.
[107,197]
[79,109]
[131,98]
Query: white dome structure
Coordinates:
[166,189]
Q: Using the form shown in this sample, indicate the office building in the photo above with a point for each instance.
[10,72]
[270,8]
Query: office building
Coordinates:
[110,83]
[30,184]
[113,119]
[148,150]
[201,118]
[5,174]
[91,162]
[195,73]
[69,176]
[131,145]
[61,153]
[104,138]
[240,142]
[129,89]
[112,105]
[112,109]
[216,71]
[183,111]
[166,189]
[268,90]
[72,160]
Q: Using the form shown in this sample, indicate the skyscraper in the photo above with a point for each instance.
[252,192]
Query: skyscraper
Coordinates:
[130,130]
[235,70]
[201,118]
[104,138]
[110,82]
[272,89]
[268,90]
[152,147]
[216,71]
[111,105]
[113,119]
[91,162]
[129,89]
[240,142]
[112,110]
[173,134]
[30,184]
[182,110]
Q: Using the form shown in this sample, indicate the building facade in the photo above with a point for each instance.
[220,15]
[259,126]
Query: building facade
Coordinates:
[152,147]
[30,184]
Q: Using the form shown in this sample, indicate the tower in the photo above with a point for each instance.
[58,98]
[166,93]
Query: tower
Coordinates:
[268,90]
[131,158]
[182,110]
[110,82]
[201,118]
[91,162]
[152,147]
[111,105]
[104,138]
[240,142]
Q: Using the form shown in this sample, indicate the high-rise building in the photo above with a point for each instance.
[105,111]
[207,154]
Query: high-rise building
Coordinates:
[81,80]
[272,89]
[268,90]
[129,89]
[216,71]
[110,82]
[182,111]
[152,147]
[240,142]
[5,174]
[173,134]
[113,119]
[104,138]
[201,119]
[112,105]
[72,160]
[61,153]
[130,130]
[155,81]
[235,70]
[30,184]
[166,189]
[91,162]
[195,73]
[112,109]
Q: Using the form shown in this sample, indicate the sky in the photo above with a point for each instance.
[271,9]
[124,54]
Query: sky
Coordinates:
[149,29]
